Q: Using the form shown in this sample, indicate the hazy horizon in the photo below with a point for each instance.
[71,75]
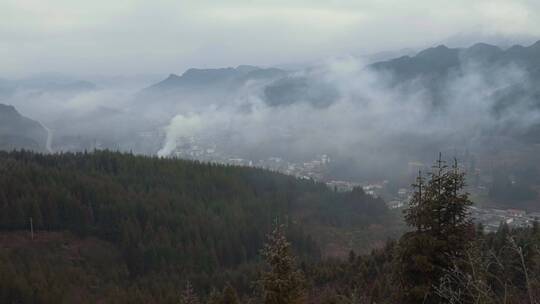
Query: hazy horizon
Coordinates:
[330,104]
[88,39]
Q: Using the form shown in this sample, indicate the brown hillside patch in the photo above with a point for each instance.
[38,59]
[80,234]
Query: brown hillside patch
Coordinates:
[70,246]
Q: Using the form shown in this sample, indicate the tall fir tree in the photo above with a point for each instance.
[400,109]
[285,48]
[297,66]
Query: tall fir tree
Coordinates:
[438,213]
[283,282]
[188,295]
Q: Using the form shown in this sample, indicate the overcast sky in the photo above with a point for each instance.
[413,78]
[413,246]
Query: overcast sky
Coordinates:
[118,37]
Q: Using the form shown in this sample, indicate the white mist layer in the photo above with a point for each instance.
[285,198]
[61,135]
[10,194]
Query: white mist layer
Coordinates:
[366,121]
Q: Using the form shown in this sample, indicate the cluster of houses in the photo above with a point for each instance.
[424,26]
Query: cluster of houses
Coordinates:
[312,169]
[493,218]
[342,186]
[401,200]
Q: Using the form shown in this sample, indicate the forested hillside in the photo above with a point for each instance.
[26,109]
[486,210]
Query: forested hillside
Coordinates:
[118,221]
[118,228]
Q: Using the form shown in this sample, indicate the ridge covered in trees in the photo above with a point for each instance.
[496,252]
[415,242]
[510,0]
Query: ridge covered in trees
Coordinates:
[118,228]
[167,219]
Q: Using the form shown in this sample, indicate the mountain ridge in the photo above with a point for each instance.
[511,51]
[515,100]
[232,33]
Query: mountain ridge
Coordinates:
[20,132]
[443,59]
[215,76]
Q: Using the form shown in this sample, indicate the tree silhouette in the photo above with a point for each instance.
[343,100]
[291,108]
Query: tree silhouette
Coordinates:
[282,283]
[438,212]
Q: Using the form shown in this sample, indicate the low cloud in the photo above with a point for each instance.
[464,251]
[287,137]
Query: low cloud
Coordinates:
[369,121]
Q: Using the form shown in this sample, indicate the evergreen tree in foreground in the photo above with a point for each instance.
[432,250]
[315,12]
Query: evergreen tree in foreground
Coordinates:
[438,212]
[282,283]
[189,296]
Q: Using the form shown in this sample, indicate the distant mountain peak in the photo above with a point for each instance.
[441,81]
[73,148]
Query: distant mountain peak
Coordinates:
[8,109]
[441,60]
[435,51]
[535,45]
[484,46]
[172,77]
[247,68]
[195,77]
[516,47]
[19,132]
[482,53]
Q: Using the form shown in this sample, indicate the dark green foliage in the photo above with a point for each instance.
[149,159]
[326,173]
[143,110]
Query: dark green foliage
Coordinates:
[443,260]
[118,228]
[189,296]
[492,271]
[163,213]
[282,282]
[366,279]
[170,220]
[438,212]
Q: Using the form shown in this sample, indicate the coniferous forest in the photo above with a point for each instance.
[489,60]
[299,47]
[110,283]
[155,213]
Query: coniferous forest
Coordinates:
[156,223]
[107,227]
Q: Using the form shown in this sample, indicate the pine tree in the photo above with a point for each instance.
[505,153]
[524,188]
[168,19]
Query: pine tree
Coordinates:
[189,296]
[282,283]
[438,212]
[457,226]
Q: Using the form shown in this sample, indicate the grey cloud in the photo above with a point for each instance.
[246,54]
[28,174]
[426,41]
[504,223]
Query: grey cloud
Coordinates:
[81,37]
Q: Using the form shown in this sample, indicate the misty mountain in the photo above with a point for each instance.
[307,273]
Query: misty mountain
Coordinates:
[435,67]
[387,55]
[432,62]
[19,132]
[289,90]
[442,61]
[431,70]
[223,78]
[254,113]
[200,88]
[468,38]
[433,101]
[279,87]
